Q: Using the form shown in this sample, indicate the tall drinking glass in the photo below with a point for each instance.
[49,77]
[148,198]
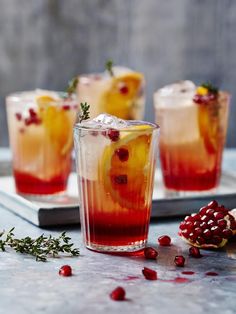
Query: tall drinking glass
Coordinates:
[193,122]
[40,127]
[115,166]
[121,94]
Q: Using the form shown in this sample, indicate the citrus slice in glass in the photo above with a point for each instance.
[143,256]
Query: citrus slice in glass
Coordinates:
[209,126]
[119,99]
[57,123]
[124,168]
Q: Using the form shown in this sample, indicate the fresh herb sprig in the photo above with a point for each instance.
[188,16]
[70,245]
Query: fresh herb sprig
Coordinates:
[41,248]
[211,88]
[109,67]
[84,112]
[72,85]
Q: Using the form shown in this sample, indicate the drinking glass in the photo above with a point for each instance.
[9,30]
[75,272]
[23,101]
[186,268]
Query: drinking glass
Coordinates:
[193,124]
[115,166]
[40,127]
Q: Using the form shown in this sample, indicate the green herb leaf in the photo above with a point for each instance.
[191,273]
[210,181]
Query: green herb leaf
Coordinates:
[41,248]
[109,66]
[84,114]
[72,85]
[211,88]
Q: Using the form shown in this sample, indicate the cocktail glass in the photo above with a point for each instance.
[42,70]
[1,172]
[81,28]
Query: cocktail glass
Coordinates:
[115,166]
[193,124]
[121,95]
[40,127]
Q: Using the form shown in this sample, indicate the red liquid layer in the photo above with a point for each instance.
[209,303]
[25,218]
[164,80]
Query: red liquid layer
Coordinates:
[188,168]
[28,184]
[108,223]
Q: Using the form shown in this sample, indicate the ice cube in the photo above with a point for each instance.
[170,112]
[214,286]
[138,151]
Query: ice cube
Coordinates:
[179,93]
[105,120]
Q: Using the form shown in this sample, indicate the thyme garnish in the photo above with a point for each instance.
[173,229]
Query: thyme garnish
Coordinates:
[41,248]
[109,66]
[84,114]
[72,85]
[211,88]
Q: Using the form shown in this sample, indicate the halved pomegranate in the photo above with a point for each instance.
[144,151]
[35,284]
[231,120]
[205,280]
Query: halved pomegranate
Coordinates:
[211,227]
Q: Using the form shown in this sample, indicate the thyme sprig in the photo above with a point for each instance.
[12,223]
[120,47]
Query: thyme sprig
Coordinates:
[84,113]
[109,67]
[211,88]
[41,247]
[72,85]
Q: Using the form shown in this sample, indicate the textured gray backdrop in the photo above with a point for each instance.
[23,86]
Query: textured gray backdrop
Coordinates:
[43,43]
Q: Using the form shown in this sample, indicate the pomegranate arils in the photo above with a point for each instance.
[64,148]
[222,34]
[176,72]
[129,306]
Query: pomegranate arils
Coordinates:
[65,270]
[18,116]
[179,261]
[210,228]
[121,179]
[164,240]
[113,135]
[149,273]
[122,153]
[123,89]
[150,253]
[118,294]
[194,252]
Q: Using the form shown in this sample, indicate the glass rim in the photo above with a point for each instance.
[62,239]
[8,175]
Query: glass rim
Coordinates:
[129,128]
[31,94]
[222,93]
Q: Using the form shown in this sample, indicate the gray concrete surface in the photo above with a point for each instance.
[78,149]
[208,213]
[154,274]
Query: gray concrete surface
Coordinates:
[46,42]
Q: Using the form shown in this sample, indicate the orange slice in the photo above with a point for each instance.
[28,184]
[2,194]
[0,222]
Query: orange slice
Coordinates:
[126,179]
[209,126]
[120,103]
[57,124]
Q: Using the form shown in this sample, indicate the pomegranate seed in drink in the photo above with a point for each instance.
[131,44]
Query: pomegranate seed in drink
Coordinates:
[118,294]
[179,261]
[164,240]
[150,253]
[18,116]
[113,135]
[149,273]
[65,270]
[123,154]
[123,88]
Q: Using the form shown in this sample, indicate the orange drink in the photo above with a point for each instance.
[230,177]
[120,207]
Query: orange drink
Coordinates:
[115,166]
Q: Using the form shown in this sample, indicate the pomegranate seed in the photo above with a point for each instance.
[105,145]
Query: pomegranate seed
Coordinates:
[211,224]
[212,204]
[203,210]
[179,261]
[216,230]
[222,223]
[198,231]
[227,233]
[219,215]
[192,237]
[203,225]
[118,294]
[204,218]
[200,240]
[210,212]
[164,240]
[113,135]
[207,234]
[18,116]
[123,89]
[66,107]
[123,154]
[32,113]
[182,226]
[194,252]
[149,273]
[65,270]
[216,240]
[222,209]
[189,225]
[150,253]
[121,179]
[196,223]
[188,218]
[195,217]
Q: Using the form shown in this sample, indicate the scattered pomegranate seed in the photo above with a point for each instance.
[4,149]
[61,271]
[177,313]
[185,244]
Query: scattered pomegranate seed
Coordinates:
[113,135]
[211,273]
[195,252]
[150,253]
[65,270]
[164,240]
[204,99]
[149,273]
[118,294]
[18,116]
[121,179]
[212,204]
[179,261]
[122,153]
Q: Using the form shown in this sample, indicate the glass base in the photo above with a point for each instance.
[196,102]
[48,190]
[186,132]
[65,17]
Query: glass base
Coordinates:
[121,250]
[44,197]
